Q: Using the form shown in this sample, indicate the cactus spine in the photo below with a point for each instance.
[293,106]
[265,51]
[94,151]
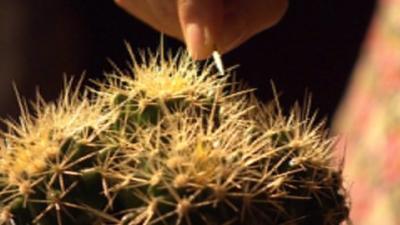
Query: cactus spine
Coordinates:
[167,143]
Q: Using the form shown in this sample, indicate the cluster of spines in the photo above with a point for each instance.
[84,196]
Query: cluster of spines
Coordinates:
[175,144]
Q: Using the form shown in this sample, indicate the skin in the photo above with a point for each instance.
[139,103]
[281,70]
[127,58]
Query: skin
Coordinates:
[207,25]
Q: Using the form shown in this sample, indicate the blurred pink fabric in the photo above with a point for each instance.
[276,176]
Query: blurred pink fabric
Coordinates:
[369,123]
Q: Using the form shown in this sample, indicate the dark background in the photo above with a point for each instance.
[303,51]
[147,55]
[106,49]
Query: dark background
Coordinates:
[313,48]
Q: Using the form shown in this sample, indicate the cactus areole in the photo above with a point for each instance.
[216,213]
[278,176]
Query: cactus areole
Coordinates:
[167,142]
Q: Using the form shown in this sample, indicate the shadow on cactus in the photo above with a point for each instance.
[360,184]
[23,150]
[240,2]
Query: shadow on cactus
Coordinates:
[167,142]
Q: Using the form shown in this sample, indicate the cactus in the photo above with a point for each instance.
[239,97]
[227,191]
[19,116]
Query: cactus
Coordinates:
[167,142]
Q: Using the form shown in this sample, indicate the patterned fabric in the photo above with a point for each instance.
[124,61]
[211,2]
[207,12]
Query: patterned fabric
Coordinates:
[369,122]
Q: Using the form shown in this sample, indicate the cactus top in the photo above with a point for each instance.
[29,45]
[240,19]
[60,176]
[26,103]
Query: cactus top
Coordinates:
[167,143]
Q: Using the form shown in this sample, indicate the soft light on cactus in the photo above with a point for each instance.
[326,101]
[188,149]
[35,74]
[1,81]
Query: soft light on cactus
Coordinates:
[168,142]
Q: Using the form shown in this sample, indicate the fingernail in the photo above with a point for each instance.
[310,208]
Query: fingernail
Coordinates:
[198,41]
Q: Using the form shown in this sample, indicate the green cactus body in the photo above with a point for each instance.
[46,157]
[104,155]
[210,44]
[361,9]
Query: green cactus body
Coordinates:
[168,144]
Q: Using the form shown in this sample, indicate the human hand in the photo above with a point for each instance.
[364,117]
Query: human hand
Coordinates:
[207,25]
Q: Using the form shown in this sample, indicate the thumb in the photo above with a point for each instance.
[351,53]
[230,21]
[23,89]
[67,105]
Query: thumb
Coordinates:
[200,21]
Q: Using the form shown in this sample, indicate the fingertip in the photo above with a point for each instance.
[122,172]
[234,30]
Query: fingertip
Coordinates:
[200,22]
[198,41]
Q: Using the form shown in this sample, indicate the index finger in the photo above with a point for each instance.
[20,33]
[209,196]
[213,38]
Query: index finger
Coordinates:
[200,21]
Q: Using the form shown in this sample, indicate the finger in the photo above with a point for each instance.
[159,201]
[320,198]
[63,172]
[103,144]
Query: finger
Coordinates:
[200,21]
[242,20]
